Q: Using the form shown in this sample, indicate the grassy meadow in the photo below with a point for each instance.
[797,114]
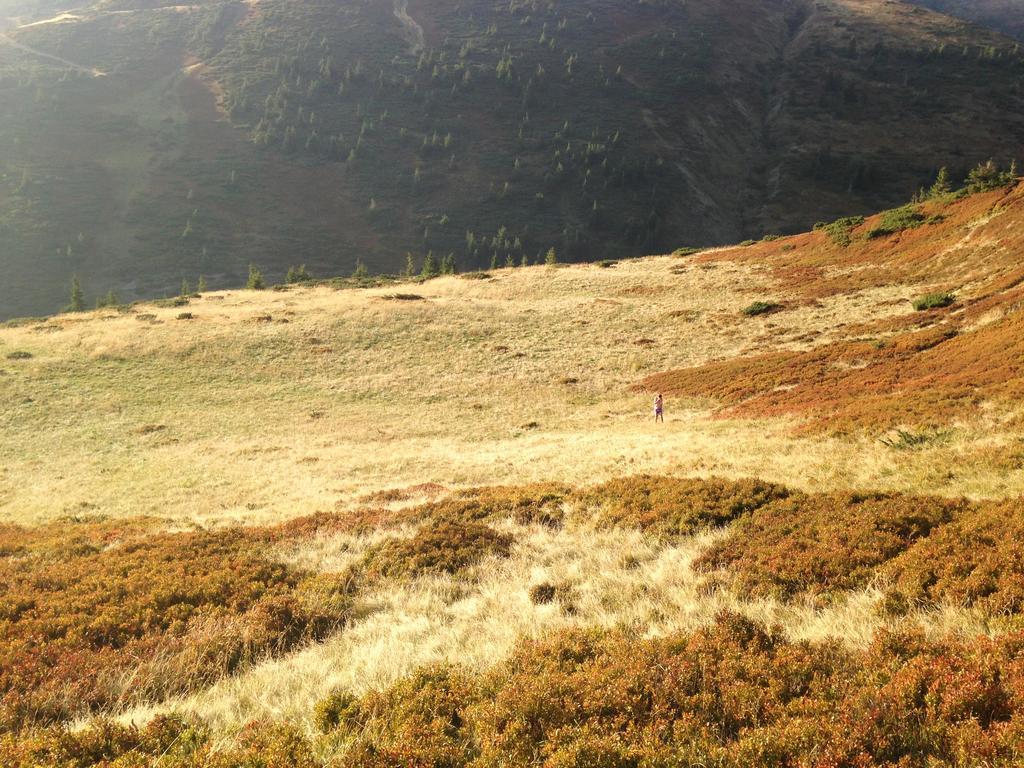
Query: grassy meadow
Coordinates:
[231,416]
[433,522]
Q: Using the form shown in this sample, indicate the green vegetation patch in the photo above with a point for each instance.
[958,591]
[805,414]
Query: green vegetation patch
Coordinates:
[686,251]
[936,300]
[761,308]
[988,176]
[897,220]
[840,231]
[824,543]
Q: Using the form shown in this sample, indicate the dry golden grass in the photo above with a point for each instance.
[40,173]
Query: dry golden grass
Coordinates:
[522,378]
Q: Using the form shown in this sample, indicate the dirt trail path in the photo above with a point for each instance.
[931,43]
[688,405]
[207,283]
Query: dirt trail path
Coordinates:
[92,71]
[414,32]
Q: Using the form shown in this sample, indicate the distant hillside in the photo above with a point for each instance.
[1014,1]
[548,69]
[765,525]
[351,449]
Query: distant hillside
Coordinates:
[1006,16]
[147,144]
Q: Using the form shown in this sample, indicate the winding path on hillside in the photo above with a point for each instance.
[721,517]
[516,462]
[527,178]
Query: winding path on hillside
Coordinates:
[91,71]
[414,32]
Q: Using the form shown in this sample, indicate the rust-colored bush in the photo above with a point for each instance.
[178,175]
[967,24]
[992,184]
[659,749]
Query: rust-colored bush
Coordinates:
[978,559]
[170,742]
[525,504]
[445,547]
[673,506]
[824,542]
[732,695]
[85,625]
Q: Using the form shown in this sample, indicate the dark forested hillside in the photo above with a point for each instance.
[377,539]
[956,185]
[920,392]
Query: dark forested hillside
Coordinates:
[143,144]
[1006,16]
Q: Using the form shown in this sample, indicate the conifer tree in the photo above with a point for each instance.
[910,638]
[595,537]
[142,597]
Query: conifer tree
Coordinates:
[185,290]
[77,296]
[942,185]
[410,265]
[429,265]
[255,281]
[201,285]
[110,300]
[552,258]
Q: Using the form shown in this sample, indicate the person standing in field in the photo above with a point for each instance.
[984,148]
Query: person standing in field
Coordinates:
[659,409]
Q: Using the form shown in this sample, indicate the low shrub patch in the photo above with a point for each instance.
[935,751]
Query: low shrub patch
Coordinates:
[732,695]
[403,297]
[840,231]
[824,542]
[443,547]
[669,506]
[934,301]
[339,710]
[19,355]
[897,220]
[976,560]
[170,742]
[546,593]
[86,625]
[761,308]
[906,440]
[539,503]
[177,301]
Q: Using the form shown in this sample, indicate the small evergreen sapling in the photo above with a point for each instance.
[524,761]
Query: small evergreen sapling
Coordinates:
[430,268]
[255,281]
[77,296]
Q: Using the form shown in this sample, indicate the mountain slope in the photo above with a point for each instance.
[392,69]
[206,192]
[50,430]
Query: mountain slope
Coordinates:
[1006,16]
[218,134]
[958,360]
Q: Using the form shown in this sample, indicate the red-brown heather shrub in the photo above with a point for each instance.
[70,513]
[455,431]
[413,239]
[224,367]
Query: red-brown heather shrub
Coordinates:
[444,547]
[672,506]
[824,542]
[977,559]
[84,628]
[732,696]
[539,503]
[361,520]
[168,742]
